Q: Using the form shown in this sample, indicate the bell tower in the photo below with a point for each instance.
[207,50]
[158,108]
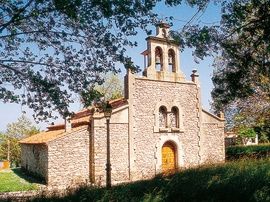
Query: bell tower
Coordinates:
[161,59]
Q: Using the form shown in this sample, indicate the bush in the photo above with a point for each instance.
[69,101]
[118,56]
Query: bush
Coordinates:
[251,151]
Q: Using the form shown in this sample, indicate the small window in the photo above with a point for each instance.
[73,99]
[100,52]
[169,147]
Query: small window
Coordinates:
[174,117]
[171,61]
[158,59]
[162,117]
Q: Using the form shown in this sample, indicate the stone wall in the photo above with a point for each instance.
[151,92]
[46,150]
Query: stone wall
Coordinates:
[212,138]
[119,152]
[69,159]
[19,196]
[213,145]
[34,159]
[146,96]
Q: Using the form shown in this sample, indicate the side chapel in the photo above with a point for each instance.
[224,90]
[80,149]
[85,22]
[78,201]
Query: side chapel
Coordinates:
[157,127]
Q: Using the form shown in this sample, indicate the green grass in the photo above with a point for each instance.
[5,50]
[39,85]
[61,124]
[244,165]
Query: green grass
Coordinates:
[233,181]
[15,180]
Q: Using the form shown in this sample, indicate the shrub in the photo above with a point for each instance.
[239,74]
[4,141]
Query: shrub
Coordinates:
[251,151]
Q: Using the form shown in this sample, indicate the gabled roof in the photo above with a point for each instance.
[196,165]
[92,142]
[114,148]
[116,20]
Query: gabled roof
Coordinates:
[45,137]
[79,120]
[83,117]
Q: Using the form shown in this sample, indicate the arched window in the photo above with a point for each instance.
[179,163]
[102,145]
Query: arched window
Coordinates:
[171,61]
[158,59]
[162,117]
[174,117]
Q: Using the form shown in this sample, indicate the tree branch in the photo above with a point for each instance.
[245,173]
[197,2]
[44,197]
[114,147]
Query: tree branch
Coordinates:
[40,31]
[3,26]
[23,61]
[13,69]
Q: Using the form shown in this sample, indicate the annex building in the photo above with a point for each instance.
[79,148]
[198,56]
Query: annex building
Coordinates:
[159,126]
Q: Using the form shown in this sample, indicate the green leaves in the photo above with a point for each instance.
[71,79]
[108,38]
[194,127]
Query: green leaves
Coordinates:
[111,89]
[53,50]
[9,140]
[245,132]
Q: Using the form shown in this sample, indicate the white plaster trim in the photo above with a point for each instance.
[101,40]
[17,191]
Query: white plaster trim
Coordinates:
[212,115]
[180,82]
[180,155]
[100,115]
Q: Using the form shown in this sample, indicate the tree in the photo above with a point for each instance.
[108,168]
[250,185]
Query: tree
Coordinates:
[253,112]
[244,66]
[10,139]
[245,134]
[111,89]
[241,44]
[3,155]
[51,49]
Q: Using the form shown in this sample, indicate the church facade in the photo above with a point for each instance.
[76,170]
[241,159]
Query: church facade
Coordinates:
[159,126]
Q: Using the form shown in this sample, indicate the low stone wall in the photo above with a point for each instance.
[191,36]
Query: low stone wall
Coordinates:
[43,192]
[19,196]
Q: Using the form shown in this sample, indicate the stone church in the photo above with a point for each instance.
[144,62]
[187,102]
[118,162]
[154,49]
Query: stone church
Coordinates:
[159,126]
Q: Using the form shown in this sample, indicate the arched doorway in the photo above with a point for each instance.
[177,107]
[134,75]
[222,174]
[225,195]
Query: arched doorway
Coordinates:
[168,157]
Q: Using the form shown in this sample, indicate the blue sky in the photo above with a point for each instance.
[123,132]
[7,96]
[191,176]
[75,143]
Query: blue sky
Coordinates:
[182,14]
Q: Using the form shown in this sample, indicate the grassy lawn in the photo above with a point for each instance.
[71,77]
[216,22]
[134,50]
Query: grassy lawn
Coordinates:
[15,180]
[233,181]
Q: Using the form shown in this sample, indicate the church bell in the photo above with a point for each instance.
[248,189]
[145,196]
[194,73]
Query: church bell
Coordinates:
[170,60]
[157,60]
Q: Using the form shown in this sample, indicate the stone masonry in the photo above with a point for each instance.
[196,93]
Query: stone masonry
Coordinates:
[35,159]
[159,124]
[68,158]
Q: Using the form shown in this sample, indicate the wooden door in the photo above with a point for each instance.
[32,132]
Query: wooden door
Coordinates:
[168,157]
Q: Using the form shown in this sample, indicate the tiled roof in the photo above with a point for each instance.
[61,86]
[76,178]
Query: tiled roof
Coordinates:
[44,137]
[118,102]
[56,127]
[83,113]
[78,121]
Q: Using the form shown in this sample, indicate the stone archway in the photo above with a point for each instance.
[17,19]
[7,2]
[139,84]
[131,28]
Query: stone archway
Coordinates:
[169,157]
[178,148]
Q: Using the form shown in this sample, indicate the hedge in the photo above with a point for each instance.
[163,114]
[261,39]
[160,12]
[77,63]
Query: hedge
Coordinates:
[251,151]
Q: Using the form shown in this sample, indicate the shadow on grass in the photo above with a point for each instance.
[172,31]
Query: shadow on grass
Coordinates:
[28,177]
[235,181]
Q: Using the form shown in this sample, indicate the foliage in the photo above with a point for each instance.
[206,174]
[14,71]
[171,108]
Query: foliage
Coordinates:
[253,112]
[251,151]
[243,68]
[235,181]
[22,128]
[52,49]
[242,73]
[15,180]
[111,89]
[241,44]
[10,139]
[246,133]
